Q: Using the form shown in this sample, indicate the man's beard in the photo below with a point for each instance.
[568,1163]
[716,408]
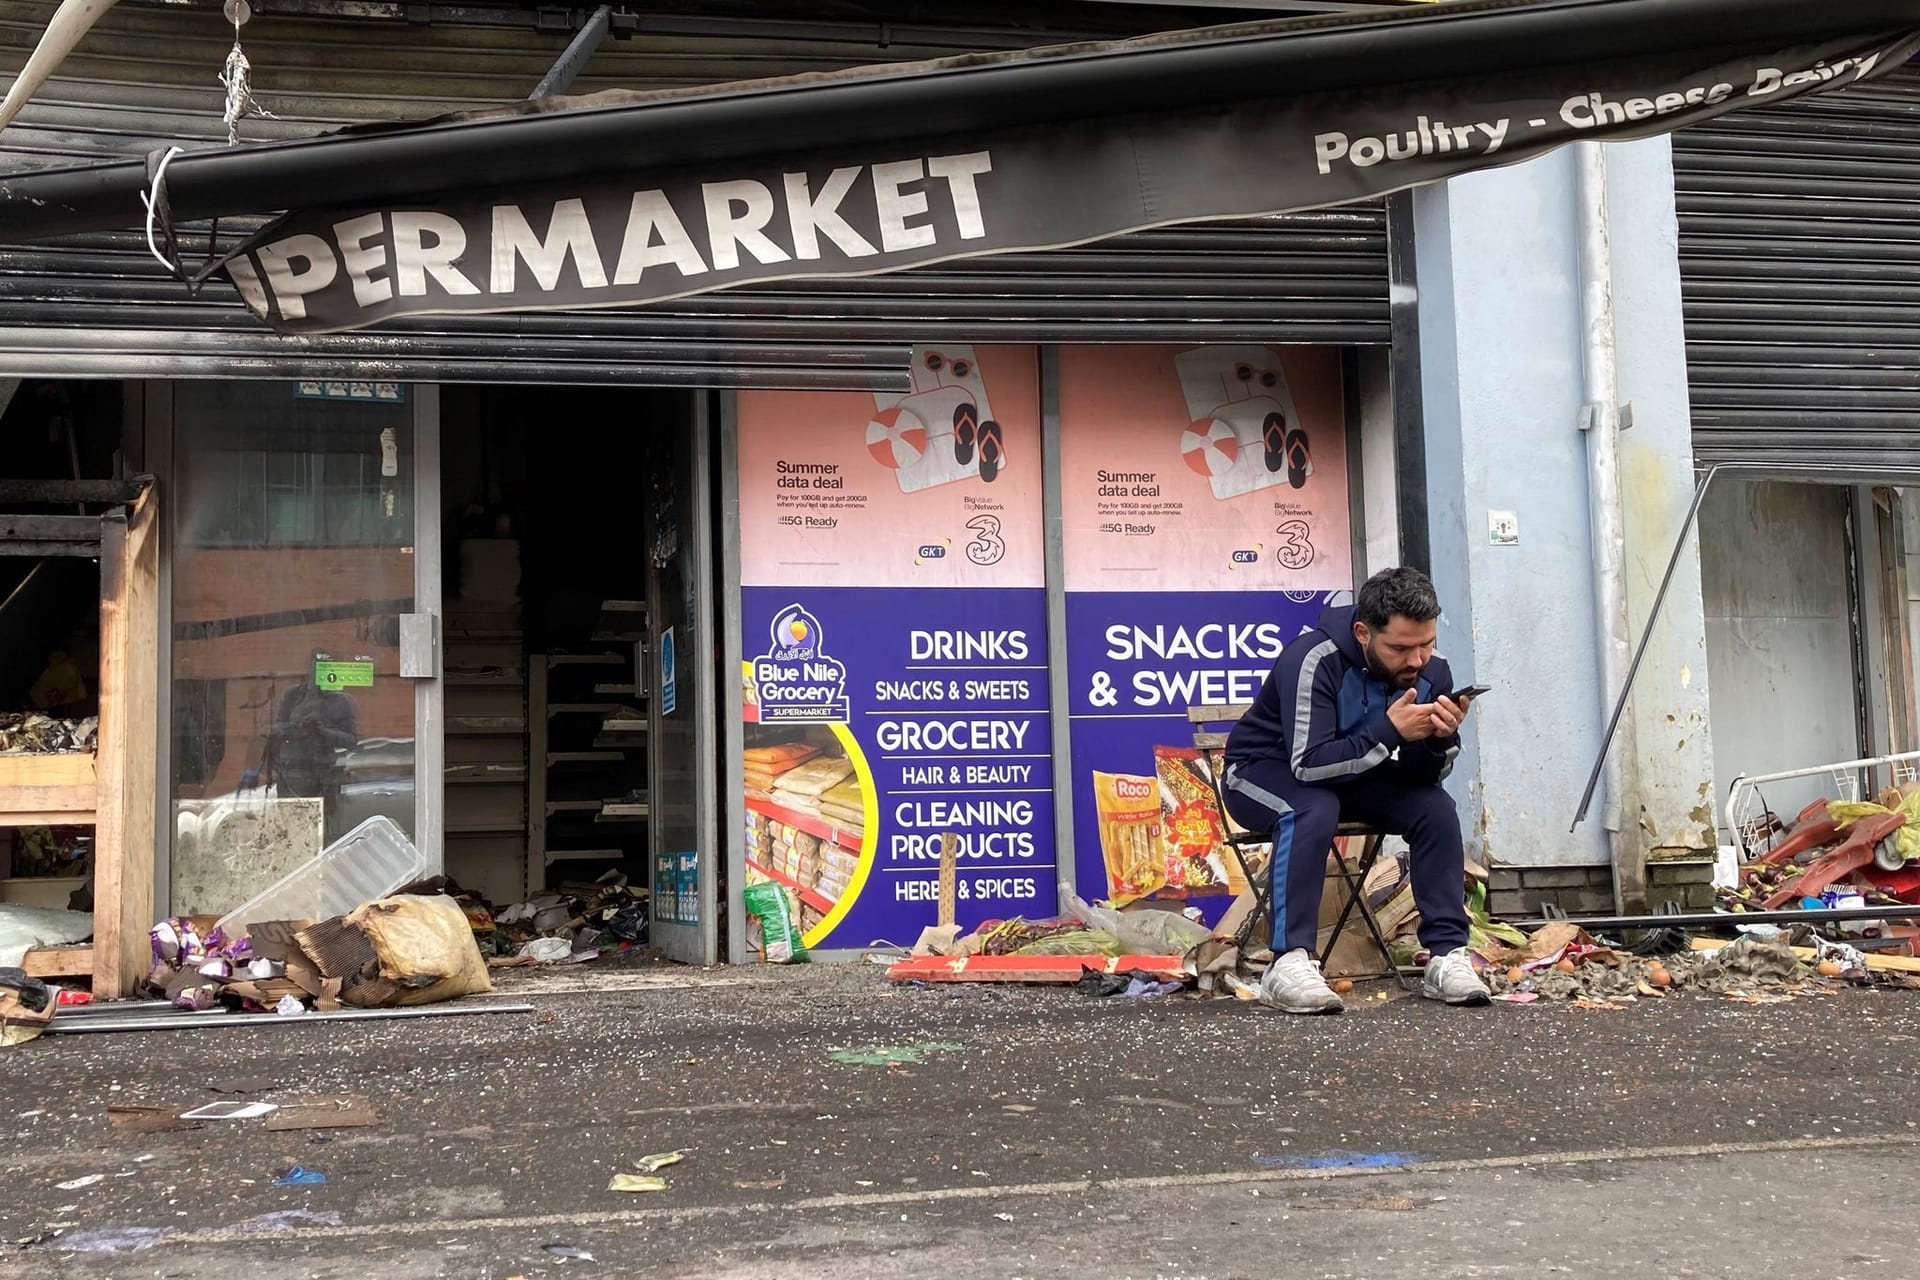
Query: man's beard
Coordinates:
[1392,680]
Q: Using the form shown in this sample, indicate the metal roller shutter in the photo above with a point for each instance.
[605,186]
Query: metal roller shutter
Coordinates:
[1800,278]
[101,306]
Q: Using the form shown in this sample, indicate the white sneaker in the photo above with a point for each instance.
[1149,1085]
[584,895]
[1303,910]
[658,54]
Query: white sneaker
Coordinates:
[1451,977]
[1293,985]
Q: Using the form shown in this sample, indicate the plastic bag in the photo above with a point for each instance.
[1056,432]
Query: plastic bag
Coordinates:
[779,923]
[1141,933]
[425,946]
[1906,839]
[1081,942]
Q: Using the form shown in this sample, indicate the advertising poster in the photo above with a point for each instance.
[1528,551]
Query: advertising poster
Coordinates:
[1205,503]
[894,636]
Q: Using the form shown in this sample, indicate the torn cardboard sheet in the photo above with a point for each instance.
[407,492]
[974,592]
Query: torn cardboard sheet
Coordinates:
[330,1113]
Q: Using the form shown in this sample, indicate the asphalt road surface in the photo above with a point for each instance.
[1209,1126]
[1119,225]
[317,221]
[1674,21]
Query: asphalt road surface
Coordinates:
[981,1132]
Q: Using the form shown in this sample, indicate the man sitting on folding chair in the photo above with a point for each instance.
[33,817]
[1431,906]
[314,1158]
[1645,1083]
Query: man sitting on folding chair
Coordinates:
[1355,722]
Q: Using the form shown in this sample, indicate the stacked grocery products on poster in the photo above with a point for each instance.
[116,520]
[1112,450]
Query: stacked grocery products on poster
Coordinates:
[766,765]
[806,823]
[845,805]
[801,788]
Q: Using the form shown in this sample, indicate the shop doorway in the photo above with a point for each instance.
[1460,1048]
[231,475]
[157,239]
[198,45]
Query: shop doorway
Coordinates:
[577,646]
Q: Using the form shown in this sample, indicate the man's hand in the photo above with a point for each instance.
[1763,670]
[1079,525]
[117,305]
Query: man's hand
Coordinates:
[1416,721]
[1448,715]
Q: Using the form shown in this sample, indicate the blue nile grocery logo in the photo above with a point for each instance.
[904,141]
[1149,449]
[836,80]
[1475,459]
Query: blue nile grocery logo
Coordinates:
[796,680]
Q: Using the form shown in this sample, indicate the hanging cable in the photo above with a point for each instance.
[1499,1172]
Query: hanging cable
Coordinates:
[154,198]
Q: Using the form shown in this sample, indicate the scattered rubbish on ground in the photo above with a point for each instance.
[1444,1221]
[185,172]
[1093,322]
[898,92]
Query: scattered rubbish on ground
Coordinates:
[108,1240]
[573,924]
[569,1253]
[241,1085]
[398,950]
[771,906]
[546,950]
[1835,854]
[888,1056]
[27,1007]
[1131,982]
[291,1219]
[301,1176]
[655,1163]
[333,1113]
[1561,961]
[636,1182]
[769,1184]
[78,1183]
[230,1111]
[136,1120]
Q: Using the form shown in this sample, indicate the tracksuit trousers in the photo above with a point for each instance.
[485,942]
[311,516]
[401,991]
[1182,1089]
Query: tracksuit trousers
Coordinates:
[1263,795]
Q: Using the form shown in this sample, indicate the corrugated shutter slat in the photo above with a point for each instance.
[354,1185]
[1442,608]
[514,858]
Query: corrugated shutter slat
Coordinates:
[1800,278]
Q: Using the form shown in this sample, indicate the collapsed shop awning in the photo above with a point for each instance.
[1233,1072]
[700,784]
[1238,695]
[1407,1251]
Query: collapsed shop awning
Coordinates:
[621,199]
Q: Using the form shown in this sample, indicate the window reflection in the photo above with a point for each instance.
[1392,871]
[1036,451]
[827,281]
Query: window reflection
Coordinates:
[293,559]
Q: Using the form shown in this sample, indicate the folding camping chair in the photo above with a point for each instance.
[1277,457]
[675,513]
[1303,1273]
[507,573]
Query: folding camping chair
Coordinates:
[1211,745]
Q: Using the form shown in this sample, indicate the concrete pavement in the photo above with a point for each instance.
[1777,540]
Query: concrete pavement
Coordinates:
[1000,1132]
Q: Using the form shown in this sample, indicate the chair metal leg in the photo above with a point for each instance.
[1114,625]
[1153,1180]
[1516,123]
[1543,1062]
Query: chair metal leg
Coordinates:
[1355,879]
[1262,889]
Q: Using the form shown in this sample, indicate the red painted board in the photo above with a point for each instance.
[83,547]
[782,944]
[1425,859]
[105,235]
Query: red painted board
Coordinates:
[1026,968]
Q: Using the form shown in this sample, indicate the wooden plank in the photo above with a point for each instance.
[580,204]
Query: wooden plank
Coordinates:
[65,769]
[1218,713]
[47,806]
[59,962]
[81,529]
[60,492]
[1889,964]
[124,849]
[949,868]
[48,818]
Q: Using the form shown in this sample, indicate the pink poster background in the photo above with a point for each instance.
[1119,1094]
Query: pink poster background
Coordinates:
[923,517]
[1212,516]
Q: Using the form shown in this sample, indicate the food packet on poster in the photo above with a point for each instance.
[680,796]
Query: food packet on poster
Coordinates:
[1129,810]
[1190,824]
[779,923]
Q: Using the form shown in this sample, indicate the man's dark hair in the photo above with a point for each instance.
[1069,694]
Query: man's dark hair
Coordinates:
[1396,593]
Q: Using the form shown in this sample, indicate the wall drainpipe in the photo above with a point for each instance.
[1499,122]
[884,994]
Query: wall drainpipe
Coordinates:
[1601,419]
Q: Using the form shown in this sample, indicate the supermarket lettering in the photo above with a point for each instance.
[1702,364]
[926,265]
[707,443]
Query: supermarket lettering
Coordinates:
[1215,641]
[952,735]
[971,845]
[1183,689]
[969,646]
[796,681]
[980,888]
[943,814]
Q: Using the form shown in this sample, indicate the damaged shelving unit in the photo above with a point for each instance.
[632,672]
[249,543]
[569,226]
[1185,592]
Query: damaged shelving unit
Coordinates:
[113,789]
[587,735]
